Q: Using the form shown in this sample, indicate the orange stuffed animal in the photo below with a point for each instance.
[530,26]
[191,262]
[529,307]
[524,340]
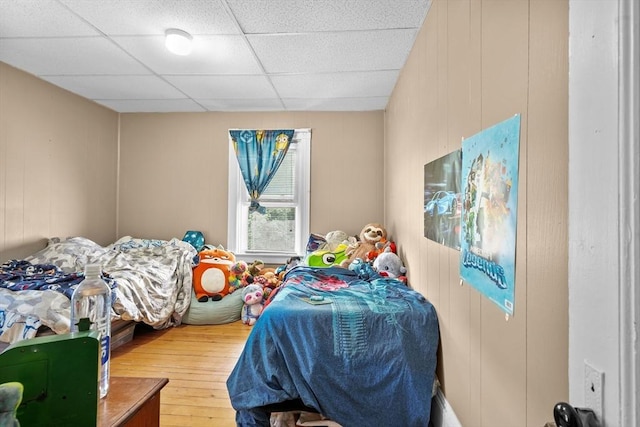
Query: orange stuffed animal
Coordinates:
[211,275]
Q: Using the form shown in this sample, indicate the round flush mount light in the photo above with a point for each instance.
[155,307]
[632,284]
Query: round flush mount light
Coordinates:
[178,41]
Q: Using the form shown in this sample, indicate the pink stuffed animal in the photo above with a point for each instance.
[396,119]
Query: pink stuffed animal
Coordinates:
[252,296]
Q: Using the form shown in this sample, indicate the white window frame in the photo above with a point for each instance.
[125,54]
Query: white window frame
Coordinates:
[238,206]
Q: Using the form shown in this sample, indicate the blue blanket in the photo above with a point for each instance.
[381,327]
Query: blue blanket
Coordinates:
[363,356]
[20,275]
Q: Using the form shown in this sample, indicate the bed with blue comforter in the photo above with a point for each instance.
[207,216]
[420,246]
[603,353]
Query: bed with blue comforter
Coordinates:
[361,352]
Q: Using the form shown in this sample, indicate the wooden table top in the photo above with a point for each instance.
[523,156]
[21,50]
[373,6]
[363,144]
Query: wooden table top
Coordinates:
[126,396]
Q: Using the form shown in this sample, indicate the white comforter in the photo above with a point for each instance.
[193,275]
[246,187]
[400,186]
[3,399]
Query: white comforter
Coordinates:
[154,284]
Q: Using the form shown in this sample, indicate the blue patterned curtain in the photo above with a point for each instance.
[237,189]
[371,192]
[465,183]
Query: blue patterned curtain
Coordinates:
[259,154]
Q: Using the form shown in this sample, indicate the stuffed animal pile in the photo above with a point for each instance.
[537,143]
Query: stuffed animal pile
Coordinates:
[218,273]
[370,255]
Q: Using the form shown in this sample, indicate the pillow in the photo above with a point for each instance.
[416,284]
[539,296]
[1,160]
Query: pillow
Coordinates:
[227,310]
[70,255]
[315,242]
[128,243]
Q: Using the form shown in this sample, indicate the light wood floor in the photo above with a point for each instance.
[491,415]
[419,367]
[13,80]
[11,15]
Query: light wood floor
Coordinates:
[197,360]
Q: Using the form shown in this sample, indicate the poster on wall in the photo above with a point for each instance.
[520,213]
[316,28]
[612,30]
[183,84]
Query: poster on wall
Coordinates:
[489,211]
[443,199]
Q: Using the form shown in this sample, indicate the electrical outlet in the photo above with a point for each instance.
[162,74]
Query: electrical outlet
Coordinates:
[593,389]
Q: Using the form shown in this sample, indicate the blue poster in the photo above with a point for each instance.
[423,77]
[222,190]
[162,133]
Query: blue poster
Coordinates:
[489,211]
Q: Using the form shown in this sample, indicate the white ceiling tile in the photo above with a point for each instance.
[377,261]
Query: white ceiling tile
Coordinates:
[153,17]
[272,104]
[221,87]
[152,105]
[344,85]
[333,52]
[293,16]
[117,87]
[325,55]
[40,18]
[73,56]
[336,104]
[210,55]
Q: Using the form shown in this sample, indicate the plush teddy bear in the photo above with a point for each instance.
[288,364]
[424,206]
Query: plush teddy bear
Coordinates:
[211,275]
[335,239]
[253,302]
[273,281]
[255,267]
[10,398]
[389,264]
[371,235]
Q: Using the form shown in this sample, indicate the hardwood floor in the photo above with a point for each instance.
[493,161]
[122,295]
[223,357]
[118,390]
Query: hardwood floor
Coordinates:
[196,359]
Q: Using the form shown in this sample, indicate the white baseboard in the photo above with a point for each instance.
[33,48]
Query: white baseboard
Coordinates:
[442,414]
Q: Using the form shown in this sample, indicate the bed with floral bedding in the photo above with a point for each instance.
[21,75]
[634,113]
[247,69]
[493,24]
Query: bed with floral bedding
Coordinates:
[151,283]
[358,349]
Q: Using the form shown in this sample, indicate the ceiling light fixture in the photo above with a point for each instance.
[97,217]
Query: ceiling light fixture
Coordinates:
[178,41]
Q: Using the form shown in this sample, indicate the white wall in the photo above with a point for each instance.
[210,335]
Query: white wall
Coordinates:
[603,190]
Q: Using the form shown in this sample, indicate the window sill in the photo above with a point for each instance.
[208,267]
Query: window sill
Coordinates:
[268,258]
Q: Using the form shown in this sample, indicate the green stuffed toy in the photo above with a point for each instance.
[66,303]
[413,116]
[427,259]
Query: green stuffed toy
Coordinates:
[10,399]
[327,258]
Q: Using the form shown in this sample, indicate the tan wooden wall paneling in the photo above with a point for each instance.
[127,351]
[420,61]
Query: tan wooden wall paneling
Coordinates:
[34,148]
[81,140]
[349,156]
[456,66]
[58,165]
[14,189]
[438,253]
[458,113]
[479,59]
[170,164]
[466,45]
[504,93]
[475,334]
[547,228]
[93,180]
[191,152]
[3,164]
[19,143]
[432,151]
[427,123]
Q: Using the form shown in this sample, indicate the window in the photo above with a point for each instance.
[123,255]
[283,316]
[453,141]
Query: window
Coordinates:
[282,231]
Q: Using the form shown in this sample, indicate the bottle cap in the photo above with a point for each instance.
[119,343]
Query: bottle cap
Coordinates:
[92,270]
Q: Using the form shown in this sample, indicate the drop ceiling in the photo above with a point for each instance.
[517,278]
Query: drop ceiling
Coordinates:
[249,55]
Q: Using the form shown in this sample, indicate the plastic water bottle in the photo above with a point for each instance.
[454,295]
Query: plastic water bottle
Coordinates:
[92,300]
